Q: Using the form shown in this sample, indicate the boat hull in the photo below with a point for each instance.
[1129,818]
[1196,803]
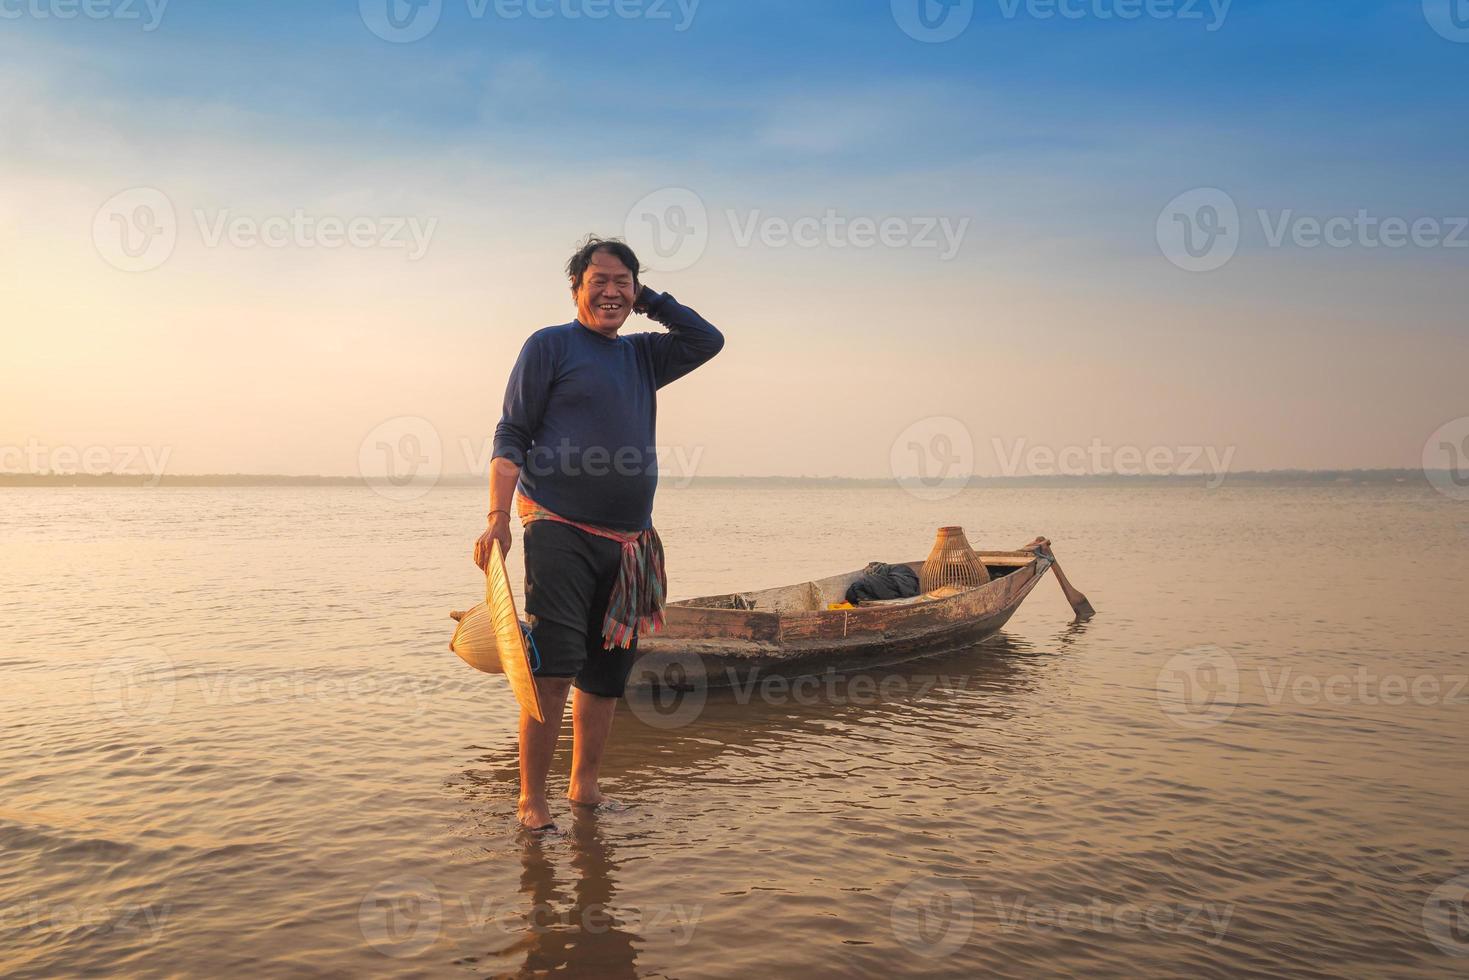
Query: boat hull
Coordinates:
[721,647]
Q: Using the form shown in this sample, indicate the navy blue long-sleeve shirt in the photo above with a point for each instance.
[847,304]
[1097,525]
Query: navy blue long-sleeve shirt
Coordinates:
[581,413]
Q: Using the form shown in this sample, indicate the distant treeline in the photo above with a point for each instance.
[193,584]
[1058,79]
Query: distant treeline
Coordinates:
[1264,478]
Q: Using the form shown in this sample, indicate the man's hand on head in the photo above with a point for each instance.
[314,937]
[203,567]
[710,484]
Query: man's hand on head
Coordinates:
[645,298]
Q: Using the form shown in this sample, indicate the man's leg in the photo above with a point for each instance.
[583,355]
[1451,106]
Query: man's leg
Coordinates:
[537,746]
[591,722]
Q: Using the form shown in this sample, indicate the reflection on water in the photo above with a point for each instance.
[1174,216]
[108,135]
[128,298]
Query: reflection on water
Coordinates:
[571,917]
[233,743]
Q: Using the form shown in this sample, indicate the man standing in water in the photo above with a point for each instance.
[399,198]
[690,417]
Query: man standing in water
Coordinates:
[577,441]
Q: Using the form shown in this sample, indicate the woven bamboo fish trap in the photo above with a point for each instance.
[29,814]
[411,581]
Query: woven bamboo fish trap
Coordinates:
[952,563]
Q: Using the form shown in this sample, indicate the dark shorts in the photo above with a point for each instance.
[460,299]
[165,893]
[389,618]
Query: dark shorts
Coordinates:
[569,576]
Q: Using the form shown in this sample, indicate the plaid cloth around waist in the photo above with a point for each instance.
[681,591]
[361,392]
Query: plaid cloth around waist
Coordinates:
[637,600]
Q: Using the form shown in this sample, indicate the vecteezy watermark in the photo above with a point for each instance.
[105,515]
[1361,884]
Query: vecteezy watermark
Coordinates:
[401,918]
[143,687]
[671,227]
[1201,687]
[38,457]
[137,230]
[402,458]
[135,687]
[566,458]
[404,918]
[835,689]
[1446,458]
[1363,687]
[933,459]
[1209,919]
[302,230]
[149,13]
[1100,459]
[406,21]
[933,21]
[933,917]
[668,691]
[1446,916]
[75,921]
[936,21]
[673,688]
[1450,18]
[1201,230]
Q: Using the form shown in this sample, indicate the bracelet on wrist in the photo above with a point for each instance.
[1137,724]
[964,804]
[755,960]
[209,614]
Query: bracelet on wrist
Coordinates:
[491,514]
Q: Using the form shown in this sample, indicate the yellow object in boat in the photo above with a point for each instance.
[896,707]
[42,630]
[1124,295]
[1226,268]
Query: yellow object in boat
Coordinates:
[839,605]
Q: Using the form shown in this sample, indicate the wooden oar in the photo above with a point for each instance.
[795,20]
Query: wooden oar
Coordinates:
[1079,602]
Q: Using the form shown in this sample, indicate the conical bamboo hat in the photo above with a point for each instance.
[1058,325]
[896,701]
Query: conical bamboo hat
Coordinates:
[489,636]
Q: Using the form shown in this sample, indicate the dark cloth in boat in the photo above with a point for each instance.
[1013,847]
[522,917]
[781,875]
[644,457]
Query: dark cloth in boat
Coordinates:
[569,576]
[880,581]
[581,409]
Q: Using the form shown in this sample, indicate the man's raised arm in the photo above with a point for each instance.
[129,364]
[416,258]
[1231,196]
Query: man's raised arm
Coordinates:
[691,340]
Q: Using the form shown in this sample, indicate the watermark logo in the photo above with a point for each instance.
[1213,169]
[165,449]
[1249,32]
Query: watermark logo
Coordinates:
[38,457]
[1212,13]
[135,688]
[136,230]
[832,689]
[1450,18]
[404,918]
[833,229]
[401,918]
[142,922]
[406,21]
[676,465]
[936,21]
[1446,459]
[1126,919]
[303,230]
[669,229]
[402,458]
[1199,687]
[1199,230]
[148,12]
[1100,459]
[933,458]
[669,690]
[933,21]
[401,21]
[1446,916]
[933,917]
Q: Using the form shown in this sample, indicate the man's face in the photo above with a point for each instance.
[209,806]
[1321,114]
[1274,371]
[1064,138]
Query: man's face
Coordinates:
[607,292]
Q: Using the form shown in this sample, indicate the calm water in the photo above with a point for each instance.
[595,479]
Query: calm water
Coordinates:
[234,741]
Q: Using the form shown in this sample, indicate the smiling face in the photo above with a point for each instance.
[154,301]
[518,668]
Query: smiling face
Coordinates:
[607,292]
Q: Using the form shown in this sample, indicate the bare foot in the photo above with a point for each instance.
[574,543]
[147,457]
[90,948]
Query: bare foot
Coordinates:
[595,799]
[585,798]
[534,814]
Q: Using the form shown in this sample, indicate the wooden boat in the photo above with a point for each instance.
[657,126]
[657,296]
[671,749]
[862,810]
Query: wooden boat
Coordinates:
[723,640]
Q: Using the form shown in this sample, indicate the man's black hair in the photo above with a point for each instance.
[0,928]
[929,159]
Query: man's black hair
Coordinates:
[616,247]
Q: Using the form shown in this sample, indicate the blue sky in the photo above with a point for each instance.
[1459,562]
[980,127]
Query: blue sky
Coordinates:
[1057,139]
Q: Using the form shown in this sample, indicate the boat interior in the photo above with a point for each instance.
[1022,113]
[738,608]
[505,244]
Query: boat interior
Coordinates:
[818,595]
